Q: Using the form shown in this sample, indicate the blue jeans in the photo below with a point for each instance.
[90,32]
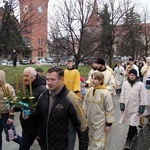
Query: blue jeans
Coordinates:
[5,126]
[27,141]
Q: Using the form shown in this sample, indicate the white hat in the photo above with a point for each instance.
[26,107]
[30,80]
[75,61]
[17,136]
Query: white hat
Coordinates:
[148,59]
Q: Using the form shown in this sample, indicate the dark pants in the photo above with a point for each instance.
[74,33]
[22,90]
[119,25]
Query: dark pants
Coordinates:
[14,62]
[5,126]
[131,132]
[27,141]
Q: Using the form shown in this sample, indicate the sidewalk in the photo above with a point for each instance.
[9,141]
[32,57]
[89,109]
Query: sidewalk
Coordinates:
[115,141]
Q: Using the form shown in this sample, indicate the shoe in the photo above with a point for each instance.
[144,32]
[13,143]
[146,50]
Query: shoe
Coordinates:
[127,144]
[126,149]
[140,127]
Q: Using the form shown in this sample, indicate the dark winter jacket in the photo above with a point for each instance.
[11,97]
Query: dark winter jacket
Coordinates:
[14,56]
[31,125]
[61,120]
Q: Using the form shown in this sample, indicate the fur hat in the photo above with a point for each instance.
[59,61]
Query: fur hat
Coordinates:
[100,61]
[148,80]
[133,71]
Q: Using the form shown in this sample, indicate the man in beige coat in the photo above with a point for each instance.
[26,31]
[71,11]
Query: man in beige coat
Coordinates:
[109,78]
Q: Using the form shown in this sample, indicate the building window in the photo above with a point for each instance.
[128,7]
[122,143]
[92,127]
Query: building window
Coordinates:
[40,42]
[41,53]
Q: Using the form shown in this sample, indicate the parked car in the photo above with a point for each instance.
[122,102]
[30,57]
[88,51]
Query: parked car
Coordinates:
[50,60]
[42,62]
[4,62]
[25,62]
[9,63]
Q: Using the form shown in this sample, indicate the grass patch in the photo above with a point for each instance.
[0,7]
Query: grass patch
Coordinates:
[11,71]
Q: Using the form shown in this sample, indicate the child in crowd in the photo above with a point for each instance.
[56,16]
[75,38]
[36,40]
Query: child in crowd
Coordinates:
[100,112]
[82,85]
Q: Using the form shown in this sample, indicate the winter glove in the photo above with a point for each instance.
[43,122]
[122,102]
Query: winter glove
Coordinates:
[8,106]
[26,113]
[122,106]
[141,109]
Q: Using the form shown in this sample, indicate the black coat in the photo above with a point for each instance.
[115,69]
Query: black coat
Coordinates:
[31,125]
[61,121]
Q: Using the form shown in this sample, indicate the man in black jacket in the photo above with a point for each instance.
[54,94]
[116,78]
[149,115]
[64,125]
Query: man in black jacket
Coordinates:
[61,115]
[30,126]
[14,58]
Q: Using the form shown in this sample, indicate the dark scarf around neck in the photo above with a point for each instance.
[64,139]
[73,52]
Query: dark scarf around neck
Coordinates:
[132,82]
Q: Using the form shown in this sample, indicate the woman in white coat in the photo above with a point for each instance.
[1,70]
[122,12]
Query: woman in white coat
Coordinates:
[132,104]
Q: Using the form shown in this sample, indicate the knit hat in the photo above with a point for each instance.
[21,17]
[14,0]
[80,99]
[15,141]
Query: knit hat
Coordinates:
[131,59]
[133,71]
[82,79]
[148,80]
[100,61]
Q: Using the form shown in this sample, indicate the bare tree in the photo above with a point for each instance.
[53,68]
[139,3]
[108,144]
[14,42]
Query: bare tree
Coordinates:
[146,32]
[68,23]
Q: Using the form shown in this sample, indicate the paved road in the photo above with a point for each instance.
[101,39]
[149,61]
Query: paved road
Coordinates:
[115,141]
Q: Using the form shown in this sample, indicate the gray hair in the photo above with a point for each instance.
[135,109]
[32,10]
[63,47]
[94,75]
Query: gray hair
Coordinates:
[31,70]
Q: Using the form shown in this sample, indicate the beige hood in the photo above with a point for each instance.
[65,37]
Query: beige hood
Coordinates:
[2,77]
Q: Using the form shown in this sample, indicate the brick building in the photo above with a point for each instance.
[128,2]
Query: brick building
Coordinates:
[33,19]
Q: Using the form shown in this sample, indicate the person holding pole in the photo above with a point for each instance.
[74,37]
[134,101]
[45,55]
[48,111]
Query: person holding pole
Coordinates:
[35,84]
[6,116]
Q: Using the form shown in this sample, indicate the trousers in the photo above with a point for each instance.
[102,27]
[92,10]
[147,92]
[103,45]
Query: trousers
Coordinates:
[27,141]
[4,126]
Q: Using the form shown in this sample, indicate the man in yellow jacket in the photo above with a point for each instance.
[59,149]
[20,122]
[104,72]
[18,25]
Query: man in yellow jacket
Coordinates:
[72,78]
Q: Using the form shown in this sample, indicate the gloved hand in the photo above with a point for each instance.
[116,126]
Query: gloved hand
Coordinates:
[26,113]
[8,106]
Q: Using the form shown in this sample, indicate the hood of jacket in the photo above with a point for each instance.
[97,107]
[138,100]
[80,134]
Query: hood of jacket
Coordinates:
[38,81]
[2,77]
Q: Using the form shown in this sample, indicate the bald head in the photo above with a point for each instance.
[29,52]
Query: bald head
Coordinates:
[29,74]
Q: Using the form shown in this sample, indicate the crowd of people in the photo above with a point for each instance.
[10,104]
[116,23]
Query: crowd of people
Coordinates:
[66,104]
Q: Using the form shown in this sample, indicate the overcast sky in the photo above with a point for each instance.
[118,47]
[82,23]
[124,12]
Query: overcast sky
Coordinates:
[140,4]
